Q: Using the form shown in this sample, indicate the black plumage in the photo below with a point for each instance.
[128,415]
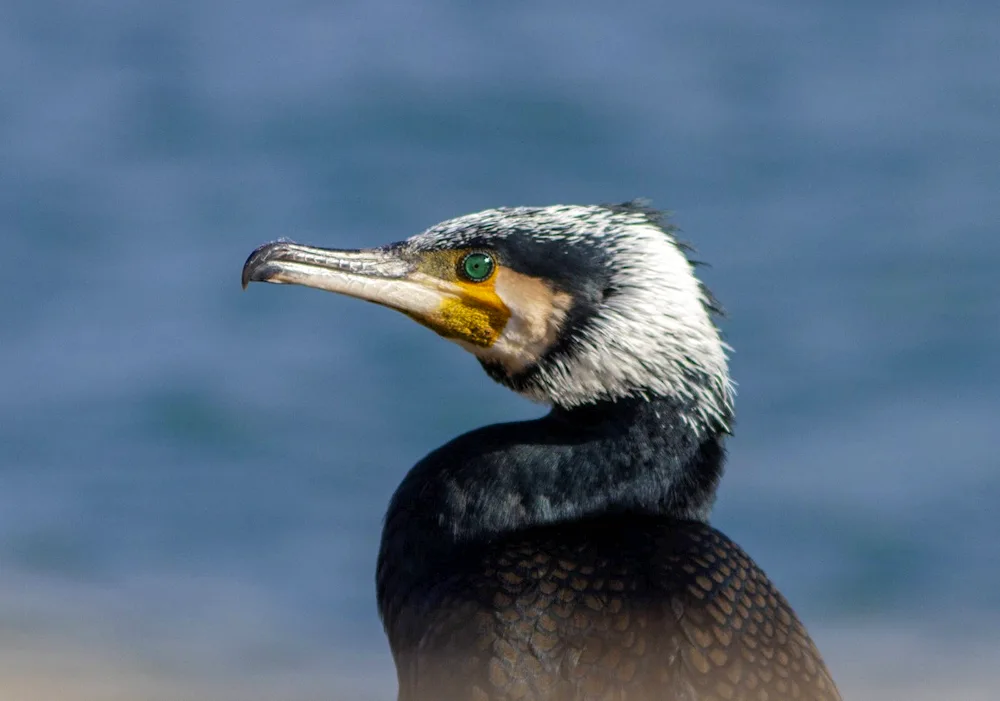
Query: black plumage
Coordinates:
[631,604]
[568,612]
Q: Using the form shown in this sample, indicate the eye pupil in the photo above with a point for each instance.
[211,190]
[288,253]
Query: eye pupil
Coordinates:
[477,266]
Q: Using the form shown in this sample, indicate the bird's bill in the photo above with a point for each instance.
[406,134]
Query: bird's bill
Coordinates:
[414,286]
[372,275]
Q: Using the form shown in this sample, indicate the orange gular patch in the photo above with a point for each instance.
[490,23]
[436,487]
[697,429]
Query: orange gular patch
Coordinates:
[471,312]
[478,317]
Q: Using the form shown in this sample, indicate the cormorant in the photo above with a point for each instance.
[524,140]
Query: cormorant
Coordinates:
[569,557]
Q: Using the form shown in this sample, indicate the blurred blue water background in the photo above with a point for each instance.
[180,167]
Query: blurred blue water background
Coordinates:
[192,478]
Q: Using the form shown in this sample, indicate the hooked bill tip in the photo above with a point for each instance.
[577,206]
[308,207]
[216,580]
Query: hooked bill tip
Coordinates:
[256,269]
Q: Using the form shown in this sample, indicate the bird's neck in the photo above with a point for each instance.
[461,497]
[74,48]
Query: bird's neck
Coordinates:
[627,456]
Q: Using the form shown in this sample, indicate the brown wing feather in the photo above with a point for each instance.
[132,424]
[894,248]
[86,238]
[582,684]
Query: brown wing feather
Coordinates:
[619,610]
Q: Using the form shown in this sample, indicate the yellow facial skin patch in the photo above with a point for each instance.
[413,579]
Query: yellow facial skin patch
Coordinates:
[476,315]
[478,318]
[509,318]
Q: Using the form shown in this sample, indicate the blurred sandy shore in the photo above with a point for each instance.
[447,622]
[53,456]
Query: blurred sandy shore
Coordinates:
[36,669]
[869,666]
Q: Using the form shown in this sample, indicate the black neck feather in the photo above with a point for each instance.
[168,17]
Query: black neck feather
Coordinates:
[630,456]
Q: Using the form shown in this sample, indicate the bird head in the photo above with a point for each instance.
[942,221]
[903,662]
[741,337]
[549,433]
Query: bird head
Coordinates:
[567,305]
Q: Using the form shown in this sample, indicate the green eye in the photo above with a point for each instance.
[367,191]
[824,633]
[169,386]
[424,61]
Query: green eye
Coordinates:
[478,266]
